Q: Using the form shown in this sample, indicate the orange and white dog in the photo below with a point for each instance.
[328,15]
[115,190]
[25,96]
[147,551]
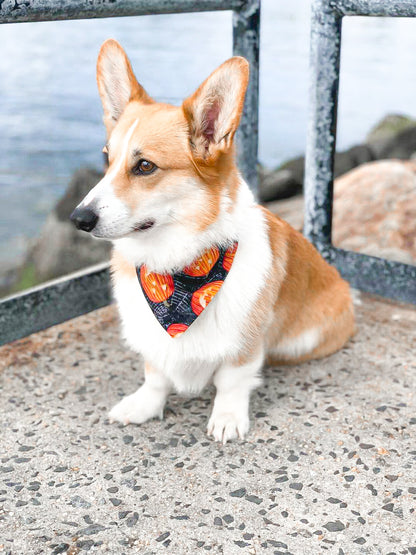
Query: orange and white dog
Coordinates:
[172,191]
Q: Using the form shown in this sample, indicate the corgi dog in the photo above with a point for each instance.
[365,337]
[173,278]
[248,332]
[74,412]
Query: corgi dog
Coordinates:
[179,213]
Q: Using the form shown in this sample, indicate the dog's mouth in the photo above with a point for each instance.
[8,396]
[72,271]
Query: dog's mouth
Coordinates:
[142,226]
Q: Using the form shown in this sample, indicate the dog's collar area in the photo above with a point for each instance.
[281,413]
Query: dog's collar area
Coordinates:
[178,299]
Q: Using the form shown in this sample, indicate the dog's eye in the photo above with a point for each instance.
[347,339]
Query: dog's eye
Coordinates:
[144,167]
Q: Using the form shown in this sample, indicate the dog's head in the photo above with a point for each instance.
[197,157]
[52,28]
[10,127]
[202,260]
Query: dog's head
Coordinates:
[168,166]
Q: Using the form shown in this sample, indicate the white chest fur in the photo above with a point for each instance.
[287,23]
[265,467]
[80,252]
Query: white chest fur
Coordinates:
[217,335]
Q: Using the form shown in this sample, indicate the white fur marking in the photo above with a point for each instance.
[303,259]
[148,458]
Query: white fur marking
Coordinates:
[146,403]
[298,346]
[230,418]
[114,218]
[125,147]
[356,297]
[104,188]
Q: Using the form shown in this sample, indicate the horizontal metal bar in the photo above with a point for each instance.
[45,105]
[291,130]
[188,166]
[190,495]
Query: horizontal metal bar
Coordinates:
[387,278]
[14,11]
[381,8]
[54,302]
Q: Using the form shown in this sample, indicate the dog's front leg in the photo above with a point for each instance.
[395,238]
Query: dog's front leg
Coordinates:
[147,402]
[234,383]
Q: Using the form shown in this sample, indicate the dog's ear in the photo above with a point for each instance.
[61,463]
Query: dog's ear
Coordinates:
[213,112]
[117,84]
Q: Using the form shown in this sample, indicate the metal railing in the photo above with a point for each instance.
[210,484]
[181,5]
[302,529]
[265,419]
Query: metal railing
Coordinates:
[368,273]
[76,294]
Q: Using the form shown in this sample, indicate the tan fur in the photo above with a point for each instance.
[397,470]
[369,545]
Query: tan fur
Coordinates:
[311,295]
[304,291]
[258,319]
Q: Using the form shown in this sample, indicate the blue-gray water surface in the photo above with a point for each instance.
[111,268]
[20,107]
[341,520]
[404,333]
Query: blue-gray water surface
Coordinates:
[50,113]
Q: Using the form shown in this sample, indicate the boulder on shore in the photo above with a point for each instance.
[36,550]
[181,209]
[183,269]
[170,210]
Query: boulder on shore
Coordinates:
[287,180]
[61,248]
[374,210]
[385,131]
[393,137]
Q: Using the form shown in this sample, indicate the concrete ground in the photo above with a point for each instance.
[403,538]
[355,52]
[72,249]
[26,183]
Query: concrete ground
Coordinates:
[328,467]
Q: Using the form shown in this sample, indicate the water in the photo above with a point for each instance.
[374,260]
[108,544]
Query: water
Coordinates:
[50,113]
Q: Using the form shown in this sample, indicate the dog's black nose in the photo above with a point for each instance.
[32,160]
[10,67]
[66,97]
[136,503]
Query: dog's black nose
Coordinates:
[84,218]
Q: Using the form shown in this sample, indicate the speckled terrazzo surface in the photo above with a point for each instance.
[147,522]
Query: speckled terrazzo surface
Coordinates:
[329,464]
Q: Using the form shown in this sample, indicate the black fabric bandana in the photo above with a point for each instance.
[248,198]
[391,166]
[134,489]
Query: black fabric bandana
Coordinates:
[178,299]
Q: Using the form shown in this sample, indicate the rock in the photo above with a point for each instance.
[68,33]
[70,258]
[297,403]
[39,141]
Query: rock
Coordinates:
[389,127]
[287,180]
[278,184]
[393,137]
[336,526]
[402,145]
[61,248]
[284,182]
[296,166]
[351,158]
[238,492]
[81,183]
[374,210]
[8,279]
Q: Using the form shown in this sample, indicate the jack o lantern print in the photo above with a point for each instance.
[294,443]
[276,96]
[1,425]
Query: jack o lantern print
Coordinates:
[204,295]
[176,329]
[158,287]
[204,264]
[229,257]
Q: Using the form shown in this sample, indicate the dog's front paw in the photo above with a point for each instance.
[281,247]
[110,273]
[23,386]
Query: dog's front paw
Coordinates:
[224,426]
[137,408]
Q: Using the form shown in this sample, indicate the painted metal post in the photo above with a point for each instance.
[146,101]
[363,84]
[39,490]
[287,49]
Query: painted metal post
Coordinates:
[246,42]
[368,273]
[323,99]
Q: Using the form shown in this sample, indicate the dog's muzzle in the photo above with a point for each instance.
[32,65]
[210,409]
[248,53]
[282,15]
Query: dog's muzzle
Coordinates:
[84,218]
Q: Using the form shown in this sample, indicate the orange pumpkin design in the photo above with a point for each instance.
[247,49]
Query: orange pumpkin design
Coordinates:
[229,257]
[158,287]
[204,295]
[176,329]
[204,264]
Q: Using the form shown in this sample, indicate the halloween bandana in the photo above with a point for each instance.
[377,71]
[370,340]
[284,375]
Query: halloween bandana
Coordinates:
[178,299]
